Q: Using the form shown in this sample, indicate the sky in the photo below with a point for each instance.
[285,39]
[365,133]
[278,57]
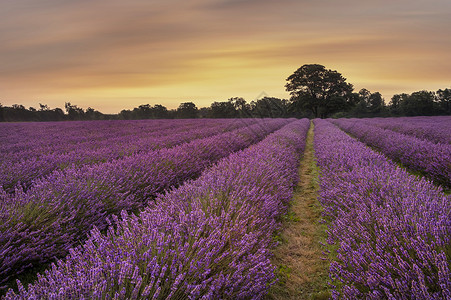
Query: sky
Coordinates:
[113,55]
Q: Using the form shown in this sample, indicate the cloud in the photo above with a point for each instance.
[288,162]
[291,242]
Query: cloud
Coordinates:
[54,48]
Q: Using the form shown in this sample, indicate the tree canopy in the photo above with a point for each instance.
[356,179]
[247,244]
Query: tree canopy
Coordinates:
[319,90]
[187,110]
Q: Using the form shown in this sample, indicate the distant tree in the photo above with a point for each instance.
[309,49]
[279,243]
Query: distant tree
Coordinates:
[224,109]
[394,106]
[18,112]
[270,107]
[204,112]
[159,112]
[18,107]
[187,110]
[368,104]
[319,90]
[136,114]
[376,103]
[361,105]
[73,111]
[57,114]
[144,111]
[2,117]
[126,114]
[173,114]
[241,106]
[443,98]
[418,104]
[43,107]
[92,114]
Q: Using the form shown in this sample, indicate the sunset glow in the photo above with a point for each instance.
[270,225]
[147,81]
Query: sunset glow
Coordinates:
[114,55]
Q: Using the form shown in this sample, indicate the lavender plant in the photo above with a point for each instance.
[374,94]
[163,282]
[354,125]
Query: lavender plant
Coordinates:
[208,239]
[431,159]
[63,151]
[434,129]
[393,230]
[58,211]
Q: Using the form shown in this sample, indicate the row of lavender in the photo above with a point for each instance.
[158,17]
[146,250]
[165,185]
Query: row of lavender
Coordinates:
[431,159]
[25,166]
[393,229]
[50,141]
[209,239]
[58,211]
[48,135]
[434,129]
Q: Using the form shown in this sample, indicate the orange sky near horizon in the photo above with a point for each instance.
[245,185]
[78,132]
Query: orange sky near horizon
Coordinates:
[113,55]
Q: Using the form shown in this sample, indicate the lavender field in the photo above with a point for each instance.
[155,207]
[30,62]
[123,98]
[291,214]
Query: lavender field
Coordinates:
[393,229]
[188,209]
[423,155]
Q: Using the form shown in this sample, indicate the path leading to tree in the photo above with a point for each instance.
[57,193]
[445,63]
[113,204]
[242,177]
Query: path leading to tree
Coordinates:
[302,270]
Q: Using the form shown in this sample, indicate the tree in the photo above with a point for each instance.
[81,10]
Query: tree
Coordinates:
[368,103]
[159,111]
[187,110]
[241,106]
[376,103]
[43,107]
[395,103]
[2,117]
[224,109]
[144,111]
[361,106]
[92,114]
[270,107]
[73,111]
[18,107]
[57,114]
[204,112]
[126,114]
[322,91]
[418,104]
[444,100]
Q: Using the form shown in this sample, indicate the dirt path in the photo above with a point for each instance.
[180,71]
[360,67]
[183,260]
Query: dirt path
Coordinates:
[302,270]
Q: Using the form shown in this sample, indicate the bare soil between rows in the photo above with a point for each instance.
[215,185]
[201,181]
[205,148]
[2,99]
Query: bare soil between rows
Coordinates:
[300,259]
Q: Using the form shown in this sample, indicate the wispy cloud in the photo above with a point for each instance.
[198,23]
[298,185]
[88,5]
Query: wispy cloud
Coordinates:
[204,50]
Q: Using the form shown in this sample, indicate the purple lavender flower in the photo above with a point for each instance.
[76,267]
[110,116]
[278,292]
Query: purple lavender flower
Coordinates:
[428,158]
[393,230]
[58,211]
[209,238]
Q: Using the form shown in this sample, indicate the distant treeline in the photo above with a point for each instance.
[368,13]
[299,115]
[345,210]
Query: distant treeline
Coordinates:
[316,92]
[421,103]
[364,104]
[267,107]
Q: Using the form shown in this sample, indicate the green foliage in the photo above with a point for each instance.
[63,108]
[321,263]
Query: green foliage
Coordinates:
[421,103]
[290,217]
[283,273]
[187,110]
[277,238]
[322,91]
[269,107]
[418,103]
[443,99]
[223,110]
